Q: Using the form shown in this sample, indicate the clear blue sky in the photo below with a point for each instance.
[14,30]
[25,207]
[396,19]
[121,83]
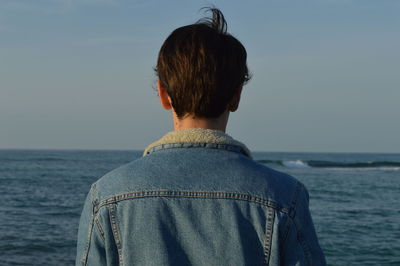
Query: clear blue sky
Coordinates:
[79,73]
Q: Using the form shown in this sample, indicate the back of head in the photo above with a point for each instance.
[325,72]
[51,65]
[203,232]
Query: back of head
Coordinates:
[201,66]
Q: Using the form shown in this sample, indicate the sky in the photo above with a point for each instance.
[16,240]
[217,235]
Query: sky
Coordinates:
[79,74]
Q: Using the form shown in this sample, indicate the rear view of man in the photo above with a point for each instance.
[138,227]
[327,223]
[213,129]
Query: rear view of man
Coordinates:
[196,197]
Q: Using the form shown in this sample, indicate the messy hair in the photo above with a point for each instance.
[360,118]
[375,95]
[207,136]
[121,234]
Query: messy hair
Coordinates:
[201,66]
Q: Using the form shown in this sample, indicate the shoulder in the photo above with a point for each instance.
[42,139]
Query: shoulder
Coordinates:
[200,170]
[279,186]
[125,178]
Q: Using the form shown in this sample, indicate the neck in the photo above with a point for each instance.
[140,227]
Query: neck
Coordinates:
[190,121]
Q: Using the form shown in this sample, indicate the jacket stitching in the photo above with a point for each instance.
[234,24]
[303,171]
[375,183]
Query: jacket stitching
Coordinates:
[296,194]
[292,221]
[303,243]
[268,234]
[87,246]
[190,194]
[291,213]
[100,228]
[91,223]
[217,146]
[115,230]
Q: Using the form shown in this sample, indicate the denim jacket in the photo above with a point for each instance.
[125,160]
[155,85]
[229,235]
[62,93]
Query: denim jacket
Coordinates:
[197,197]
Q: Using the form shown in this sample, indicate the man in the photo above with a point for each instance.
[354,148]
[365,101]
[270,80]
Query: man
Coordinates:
[196,197]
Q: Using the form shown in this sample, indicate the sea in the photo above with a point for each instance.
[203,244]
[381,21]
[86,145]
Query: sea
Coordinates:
[354,201]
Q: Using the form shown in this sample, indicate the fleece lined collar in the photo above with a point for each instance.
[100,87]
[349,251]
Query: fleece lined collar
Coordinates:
[197,135]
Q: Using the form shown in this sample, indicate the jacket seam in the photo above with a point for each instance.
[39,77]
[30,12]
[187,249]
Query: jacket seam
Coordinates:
[303,243]
[216,146]
[115,230]
[292,212]
[191,194]
[292,222]
[90,226]
[87,246]
[269,228]
[100,228]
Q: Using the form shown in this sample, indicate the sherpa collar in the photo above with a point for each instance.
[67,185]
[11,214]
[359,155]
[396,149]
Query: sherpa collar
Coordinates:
[197,135]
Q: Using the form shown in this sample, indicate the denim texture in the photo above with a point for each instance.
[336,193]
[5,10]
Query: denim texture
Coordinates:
[197,204]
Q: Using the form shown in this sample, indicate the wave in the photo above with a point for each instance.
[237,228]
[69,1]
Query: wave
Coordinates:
[385,165]
[295,164]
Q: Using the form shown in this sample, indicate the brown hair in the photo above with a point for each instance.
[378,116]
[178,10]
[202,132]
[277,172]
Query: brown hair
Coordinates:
[201,66]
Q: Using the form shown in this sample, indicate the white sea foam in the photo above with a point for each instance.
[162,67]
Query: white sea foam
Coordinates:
[388,168]
[296,164]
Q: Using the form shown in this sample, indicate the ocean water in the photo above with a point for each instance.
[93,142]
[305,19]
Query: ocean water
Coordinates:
[354,200]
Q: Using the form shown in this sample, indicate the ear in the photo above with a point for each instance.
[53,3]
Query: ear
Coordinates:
[165,100]
[234,103]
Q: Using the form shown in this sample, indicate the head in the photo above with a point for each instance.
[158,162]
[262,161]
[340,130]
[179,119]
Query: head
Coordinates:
[202,68]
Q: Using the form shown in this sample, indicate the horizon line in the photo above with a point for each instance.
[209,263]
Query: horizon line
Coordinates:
[141,150]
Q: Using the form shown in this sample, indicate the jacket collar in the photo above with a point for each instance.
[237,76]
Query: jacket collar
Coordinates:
[197,135]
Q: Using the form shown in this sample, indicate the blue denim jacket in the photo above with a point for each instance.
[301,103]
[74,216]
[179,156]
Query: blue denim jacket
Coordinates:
[197,200]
